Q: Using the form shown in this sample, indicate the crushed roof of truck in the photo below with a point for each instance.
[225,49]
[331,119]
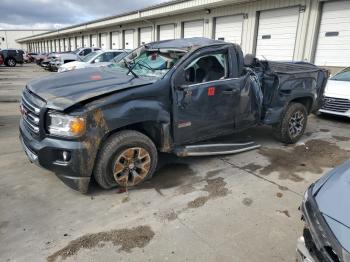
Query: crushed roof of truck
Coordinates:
[184,43]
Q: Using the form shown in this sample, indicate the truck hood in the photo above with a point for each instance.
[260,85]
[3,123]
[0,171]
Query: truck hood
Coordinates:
[332,194]
[61,91]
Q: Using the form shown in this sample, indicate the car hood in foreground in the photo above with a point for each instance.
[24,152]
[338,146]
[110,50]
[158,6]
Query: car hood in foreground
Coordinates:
[339,89]
[62,91]
[332,194]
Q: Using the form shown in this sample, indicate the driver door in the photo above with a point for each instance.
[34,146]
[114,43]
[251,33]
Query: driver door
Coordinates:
[205,97]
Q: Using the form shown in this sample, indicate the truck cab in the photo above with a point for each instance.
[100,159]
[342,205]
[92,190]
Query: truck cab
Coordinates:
[168,96]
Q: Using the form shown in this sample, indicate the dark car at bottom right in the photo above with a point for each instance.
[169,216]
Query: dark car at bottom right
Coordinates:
[326,212]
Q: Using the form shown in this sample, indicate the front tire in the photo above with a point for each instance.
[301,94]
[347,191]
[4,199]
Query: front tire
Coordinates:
[126,159]
[293,124]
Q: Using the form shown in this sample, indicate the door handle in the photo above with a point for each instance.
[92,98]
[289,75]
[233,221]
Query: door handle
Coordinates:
[230,92]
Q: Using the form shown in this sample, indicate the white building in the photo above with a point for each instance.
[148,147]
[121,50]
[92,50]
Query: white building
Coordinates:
[317,31]
[8,37]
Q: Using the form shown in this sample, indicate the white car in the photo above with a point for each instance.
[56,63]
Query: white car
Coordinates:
[94,59]
[337,94]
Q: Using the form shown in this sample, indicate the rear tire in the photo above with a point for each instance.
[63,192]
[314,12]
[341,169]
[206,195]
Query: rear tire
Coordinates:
[11,62]
[293,124]
[126,159]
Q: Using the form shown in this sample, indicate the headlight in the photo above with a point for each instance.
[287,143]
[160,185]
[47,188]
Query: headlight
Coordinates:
[65,125]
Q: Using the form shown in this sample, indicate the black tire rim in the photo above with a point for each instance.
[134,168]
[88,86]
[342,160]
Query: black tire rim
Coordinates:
[296,123]
[132,166]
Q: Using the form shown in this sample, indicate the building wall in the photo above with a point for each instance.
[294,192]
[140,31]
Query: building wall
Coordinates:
[8,37]
[306,31]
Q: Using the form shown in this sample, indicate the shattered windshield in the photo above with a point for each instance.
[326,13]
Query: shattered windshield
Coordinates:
[145,62]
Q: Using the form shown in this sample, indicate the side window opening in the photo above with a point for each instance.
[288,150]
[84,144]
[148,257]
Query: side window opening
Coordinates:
[207,68]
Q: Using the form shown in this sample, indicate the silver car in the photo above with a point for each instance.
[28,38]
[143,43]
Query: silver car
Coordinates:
[94,59]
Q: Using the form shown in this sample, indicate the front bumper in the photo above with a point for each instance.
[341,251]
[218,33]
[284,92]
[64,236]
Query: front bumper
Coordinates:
[346,114]
[319,240]
[75,172]
[54,65]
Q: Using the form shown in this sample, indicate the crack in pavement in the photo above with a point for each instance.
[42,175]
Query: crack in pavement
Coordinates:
[260,177]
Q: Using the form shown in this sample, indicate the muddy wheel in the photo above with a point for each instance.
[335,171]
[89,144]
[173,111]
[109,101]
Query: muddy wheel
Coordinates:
[292,124]
[126,159]
[11,62]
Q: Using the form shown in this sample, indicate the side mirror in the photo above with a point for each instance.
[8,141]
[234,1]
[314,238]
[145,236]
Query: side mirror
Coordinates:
[97,60]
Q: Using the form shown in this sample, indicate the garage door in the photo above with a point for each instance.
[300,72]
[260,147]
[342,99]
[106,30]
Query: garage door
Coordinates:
[61,45]
[129,39]
[93,40]
[115,40]
[66,44]
[166,32]
[145,35]
[86,41]
[56,45]
[72,43]
[193,29]
[333,45]
[277,34]
[79,42]
[229,28]
[103,41]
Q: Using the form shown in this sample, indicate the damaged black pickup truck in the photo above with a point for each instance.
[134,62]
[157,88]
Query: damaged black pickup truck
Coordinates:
[168,96]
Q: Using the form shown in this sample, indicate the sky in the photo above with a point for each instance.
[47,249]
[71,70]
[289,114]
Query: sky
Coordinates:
[54,14]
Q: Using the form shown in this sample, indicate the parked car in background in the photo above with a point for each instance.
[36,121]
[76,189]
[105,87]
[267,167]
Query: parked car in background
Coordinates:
[39,58]
[326,213]
[84,51]
[32,56]
[65,57]
[26,57]
[12,57]
[94,59]
[47,59]
[1,59]
[337,94]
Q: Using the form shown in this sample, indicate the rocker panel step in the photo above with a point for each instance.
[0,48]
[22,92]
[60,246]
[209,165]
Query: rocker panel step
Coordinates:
[215,149]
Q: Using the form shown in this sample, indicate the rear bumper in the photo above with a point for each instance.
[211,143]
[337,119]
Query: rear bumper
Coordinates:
[75,172]
[303,254]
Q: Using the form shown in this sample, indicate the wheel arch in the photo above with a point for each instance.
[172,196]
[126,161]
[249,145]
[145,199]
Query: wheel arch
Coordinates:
[158,132]
[307,101]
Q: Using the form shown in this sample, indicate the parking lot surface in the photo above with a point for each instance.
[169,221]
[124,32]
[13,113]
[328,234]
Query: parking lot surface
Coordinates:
[240,207]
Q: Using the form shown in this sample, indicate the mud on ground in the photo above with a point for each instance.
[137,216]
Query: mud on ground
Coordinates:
[312,157]
[127,239]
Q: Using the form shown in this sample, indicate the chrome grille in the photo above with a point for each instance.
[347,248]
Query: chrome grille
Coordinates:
[340,105]
[30,108]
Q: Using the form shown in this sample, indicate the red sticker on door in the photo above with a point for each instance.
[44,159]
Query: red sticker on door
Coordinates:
[211,91]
